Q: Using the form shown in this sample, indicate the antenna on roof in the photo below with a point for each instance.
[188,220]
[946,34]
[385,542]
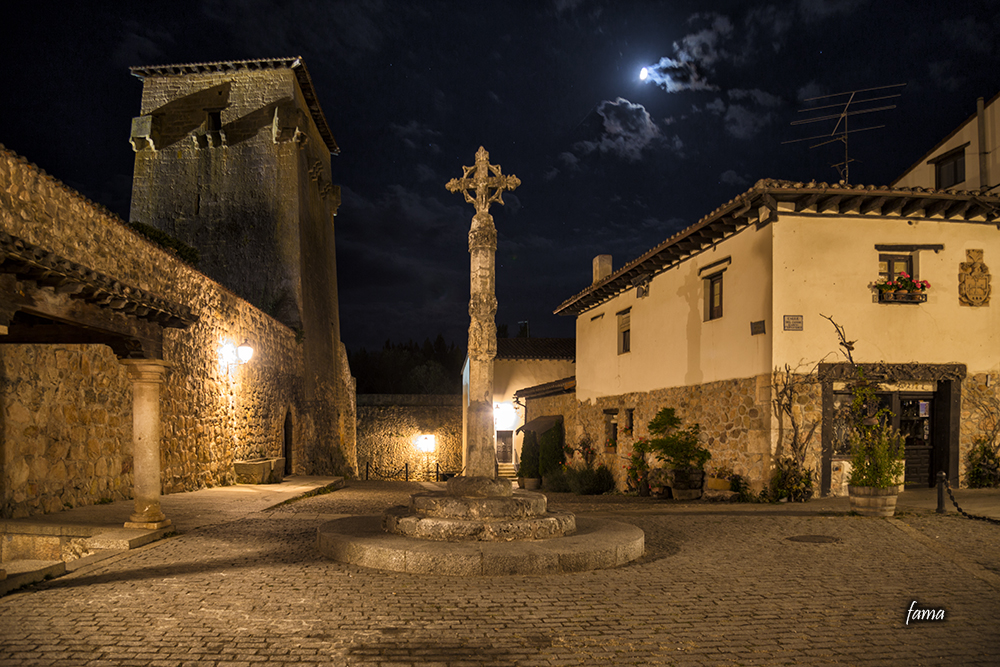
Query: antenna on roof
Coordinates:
[842,107]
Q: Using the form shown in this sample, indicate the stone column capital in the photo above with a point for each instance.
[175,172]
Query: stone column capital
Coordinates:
[146,370]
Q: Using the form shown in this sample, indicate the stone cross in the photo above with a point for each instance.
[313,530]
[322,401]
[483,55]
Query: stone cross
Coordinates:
[488,184]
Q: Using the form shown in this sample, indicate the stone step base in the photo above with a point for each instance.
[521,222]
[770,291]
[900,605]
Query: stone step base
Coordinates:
[597,544]
[398,521]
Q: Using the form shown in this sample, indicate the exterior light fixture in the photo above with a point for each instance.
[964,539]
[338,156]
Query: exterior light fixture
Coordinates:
[504,416]
[425,443]
[244,352]
[231,355]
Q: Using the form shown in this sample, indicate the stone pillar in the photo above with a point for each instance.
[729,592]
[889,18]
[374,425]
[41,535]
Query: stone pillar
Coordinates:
[480,449]
[147,376]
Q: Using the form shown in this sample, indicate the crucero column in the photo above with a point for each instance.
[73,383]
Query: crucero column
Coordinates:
[482,184]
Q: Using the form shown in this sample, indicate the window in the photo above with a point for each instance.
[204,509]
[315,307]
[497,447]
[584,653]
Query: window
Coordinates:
[625,331]
[890,266]
[611,428]
[949,169]
[713,297]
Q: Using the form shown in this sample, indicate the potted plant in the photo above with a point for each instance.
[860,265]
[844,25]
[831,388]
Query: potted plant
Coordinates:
[718,478]
[876,466]
[528,475]
[679,449]
[908,284]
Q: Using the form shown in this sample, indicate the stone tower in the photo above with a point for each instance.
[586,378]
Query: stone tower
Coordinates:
[233,159]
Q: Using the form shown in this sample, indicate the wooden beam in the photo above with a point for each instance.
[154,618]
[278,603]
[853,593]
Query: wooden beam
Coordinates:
[872,204]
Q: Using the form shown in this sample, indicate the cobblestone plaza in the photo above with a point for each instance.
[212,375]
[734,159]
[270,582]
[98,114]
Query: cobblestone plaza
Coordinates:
[719,584]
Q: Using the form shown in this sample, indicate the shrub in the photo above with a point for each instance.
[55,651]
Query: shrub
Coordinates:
[677,446]
[552,452]
[791,481]
[529,456]
[876,456]
[983,470]
[591,481]
[558,481]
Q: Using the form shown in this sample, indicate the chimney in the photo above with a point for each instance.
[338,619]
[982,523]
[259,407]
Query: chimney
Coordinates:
[602,268]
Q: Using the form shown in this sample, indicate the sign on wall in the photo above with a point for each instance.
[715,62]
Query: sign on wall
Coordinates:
[793,322]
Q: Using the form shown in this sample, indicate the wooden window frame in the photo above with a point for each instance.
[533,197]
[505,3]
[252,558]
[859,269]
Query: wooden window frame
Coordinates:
[624,334]
[713,311]
[949,168]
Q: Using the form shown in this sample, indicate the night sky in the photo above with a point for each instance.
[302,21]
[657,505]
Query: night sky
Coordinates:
[608,163]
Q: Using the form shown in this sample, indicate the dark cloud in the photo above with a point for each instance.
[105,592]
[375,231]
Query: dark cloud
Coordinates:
[142,46]
[417,136]
[628,130]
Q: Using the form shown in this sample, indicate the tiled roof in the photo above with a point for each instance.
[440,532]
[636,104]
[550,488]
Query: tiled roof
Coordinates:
[296,64]
[536,348]
[761,204]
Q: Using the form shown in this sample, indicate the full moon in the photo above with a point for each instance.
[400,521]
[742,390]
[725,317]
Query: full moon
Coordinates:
[643,74]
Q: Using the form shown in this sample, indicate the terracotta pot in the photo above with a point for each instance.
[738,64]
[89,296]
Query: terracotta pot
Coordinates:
[532,483]
[873,501]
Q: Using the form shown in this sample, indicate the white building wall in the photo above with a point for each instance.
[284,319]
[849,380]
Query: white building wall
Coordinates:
[823,266]
[671,343]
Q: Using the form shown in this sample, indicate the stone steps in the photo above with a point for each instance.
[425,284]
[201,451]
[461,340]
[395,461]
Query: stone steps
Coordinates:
[507,471]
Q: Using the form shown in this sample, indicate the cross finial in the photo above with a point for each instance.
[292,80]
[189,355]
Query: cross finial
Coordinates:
[478,178]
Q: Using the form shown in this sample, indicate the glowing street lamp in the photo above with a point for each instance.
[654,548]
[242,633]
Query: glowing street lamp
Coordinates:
[425,443]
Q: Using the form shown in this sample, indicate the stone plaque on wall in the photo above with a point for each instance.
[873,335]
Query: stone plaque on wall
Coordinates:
[974,280]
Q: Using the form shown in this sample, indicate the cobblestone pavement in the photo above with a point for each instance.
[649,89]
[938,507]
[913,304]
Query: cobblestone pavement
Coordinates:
[719,585]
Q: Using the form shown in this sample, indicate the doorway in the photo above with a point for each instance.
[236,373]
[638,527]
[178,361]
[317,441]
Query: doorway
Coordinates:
[925,401]
[505,446]
[286,448]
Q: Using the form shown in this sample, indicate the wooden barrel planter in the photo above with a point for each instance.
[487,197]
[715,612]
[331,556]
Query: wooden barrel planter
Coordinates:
[687,483]
[873,501]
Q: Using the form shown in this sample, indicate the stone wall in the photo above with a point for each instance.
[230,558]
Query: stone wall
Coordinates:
[388,425]
[212,414]
[734,416]
[67,428]
[980,414]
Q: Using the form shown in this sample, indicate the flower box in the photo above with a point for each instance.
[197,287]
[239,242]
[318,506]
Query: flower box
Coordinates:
[902,297]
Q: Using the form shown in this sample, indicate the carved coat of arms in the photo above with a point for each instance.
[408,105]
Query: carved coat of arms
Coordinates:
[974,280]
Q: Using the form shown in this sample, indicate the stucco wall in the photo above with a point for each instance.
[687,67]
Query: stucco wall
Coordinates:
[671,343]
[823,266]
[510,375]
[389,424]
[211,413]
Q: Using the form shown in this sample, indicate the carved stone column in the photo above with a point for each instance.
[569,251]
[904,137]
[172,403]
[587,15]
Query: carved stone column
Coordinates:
[488,183]
[480,454]
[147,376]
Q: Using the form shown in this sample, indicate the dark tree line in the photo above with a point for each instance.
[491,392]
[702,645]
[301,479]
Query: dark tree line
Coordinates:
[409,368]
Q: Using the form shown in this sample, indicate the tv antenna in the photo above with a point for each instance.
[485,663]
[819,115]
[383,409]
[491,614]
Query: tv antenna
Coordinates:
[842,107]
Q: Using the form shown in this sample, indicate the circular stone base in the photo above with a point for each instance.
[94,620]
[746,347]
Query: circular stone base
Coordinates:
[597,544]
[399,521]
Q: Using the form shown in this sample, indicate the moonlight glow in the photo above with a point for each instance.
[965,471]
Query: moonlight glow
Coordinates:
[643,73]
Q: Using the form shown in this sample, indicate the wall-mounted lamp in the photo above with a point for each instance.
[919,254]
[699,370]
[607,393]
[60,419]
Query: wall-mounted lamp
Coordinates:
[244,352]
[231,355]
[504,416]
[425,443]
